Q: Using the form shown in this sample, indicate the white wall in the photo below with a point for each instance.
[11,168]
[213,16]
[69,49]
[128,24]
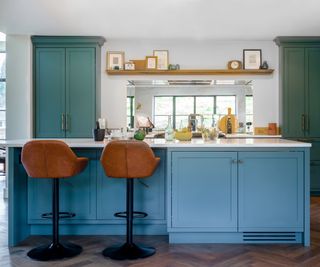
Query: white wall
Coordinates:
[192,55]
[189,54]
[18,90]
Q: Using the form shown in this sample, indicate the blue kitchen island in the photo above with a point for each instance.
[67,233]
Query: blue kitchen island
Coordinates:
[222,191]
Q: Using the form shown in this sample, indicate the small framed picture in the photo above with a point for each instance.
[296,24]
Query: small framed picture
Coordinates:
[163,59]
[151,62]
[129,66]
[252,59]
[115,60]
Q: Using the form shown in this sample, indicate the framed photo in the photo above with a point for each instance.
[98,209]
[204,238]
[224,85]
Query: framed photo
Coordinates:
[129,66]
[151,63]
[115,60]
[252,59]
[163,59]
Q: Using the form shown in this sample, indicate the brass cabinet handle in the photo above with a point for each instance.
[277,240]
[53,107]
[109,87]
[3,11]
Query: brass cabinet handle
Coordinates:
[63,122]
[67,123]
[235,161]
[303,122]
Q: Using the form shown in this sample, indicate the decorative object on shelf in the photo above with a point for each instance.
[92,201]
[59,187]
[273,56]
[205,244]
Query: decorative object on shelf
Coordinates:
[151,62]
[163,59]
[264,65]
[139,135]
[129,66]
[173,67]
[115,60]
[252,59]
[234,65]
[140,64]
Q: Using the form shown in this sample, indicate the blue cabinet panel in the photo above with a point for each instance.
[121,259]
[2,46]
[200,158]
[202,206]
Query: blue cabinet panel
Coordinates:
[271,191]
[49,91]
[204,190]
[149,198]
[80,92]
[77,194]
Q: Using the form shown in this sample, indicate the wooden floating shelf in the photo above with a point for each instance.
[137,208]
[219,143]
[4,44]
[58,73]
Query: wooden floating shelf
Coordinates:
[191,72]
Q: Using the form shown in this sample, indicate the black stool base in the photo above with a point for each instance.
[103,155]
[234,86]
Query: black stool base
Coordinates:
[128,252]
[55,251]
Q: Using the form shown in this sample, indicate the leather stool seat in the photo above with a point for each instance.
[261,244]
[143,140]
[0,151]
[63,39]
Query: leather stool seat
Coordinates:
[52,159]
[130,160]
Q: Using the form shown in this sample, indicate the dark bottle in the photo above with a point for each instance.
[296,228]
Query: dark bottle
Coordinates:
[229,126]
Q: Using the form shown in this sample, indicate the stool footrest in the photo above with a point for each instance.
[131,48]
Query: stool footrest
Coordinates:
[62,215]
[136,214]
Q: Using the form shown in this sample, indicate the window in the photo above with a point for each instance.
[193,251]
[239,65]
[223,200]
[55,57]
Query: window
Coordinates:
[2,87]
[130,111]
[180,107]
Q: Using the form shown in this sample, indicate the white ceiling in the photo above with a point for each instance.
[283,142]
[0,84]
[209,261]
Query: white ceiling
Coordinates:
[162,19]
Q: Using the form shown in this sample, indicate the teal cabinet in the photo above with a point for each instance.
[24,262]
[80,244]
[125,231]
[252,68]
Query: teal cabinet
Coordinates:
[300,94]
[66,77]
[204,191]
[77,194]
[293,93]
[49,91]
[149,195]
[271,191]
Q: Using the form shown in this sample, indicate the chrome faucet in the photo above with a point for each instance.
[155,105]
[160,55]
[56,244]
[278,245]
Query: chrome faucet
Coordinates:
[193,122]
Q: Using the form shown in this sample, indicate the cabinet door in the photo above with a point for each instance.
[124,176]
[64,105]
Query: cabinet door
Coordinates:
[313,91]
[80,92]
[77,194]
[204,190]
[49,92]
[293,92]
[151,199]
[271,191]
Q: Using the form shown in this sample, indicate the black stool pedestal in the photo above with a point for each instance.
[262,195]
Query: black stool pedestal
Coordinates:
[56,250]
[129,250]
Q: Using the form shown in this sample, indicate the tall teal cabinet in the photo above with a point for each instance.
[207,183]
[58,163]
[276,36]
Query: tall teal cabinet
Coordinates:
[300,95]
[66,79]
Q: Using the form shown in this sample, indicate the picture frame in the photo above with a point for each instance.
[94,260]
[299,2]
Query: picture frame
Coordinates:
[252,59]
[151,62]
[163,59]
[115,60]
[129,66]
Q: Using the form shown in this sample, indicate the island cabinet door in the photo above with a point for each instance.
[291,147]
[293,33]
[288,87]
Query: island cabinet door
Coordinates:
[149,195]
[77,194]
[271,186]
[204,190]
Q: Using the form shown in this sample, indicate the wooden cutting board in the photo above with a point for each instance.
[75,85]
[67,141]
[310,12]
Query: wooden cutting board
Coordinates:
[223,122]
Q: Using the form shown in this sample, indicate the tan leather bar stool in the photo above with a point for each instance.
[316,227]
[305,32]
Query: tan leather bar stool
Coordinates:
[129,159]
[52,159]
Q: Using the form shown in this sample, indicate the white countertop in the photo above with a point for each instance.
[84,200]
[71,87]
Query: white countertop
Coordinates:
[196,142]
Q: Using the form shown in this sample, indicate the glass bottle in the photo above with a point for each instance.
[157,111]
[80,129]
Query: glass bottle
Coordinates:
[169,133]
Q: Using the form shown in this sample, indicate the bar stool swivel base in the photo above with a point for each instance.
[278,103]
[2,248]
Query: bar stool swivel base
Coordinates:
[128,252]
[55,251]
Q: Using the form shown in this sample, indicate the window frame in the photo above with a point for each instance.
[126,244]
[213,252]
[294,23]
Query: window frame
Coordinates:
[174,122]
[131,115]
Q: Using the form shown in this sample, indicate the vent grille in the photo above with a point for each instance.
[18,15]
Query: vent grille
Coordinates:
[269,237]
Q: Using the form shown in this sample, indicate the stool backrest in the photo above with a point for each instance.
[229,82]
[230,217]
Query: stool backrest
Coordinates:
[48,159]
[128,159]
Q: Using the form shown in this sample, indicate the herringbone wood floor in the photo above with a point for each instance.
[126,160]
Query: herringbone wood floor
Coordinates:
[198,255]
